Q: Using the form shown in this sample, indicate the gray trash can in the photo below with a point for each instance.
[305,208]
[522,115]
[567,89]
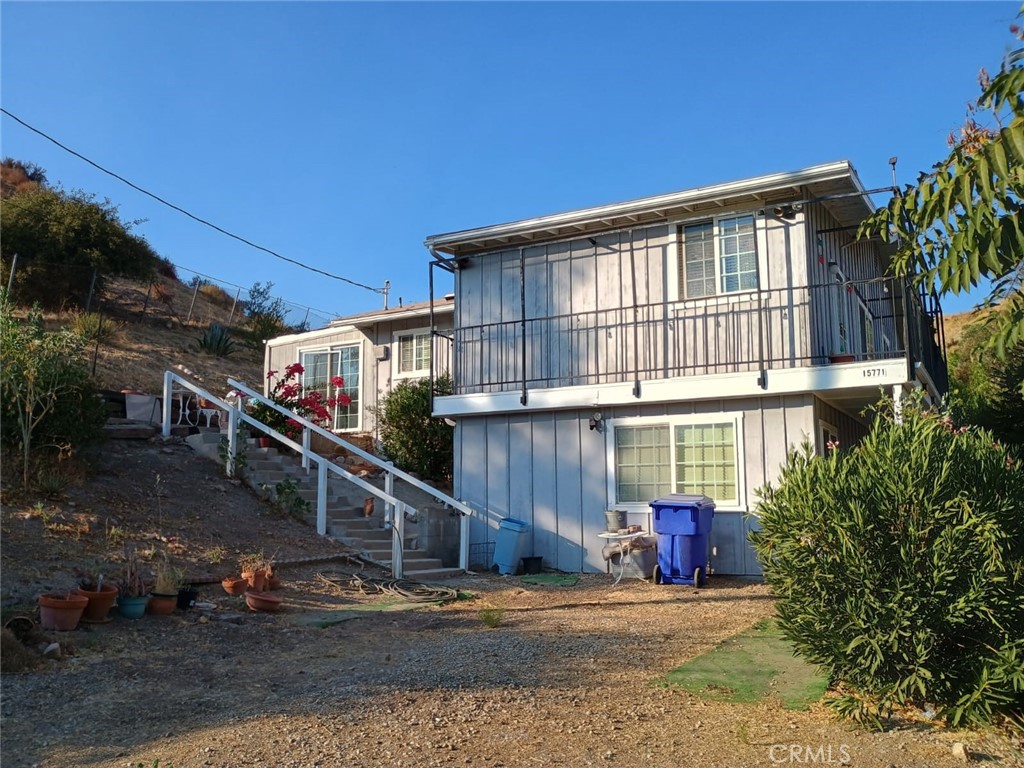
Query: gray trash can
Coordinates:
[510,544]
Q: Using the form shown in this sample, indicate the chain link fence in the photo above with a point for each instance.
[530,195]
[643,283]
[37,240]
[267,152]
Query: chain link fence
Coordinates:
[177,296]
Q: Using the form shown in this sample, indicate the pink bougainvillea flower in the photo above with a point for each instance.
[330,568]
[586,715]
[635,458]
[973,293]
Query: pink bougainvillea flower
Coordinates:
[337,382]
[271,374]
[295,368]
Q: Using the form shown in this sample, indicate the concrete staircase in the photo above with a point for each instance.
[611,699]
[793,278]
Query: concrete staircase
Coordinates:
[266,467]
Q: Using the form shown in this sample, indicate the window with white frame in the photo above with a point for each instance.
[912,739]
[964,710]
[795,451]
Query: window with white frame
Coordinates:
[320,366]
[413,353]
[717,257]
[652,457]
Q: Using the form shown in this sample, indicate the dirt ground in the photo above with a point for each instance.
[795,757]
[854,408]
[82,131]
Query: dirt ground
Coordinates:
[569,677]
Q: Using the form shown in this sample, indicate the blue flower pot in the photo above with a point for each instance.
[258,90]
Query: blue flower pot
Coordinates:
[132,607]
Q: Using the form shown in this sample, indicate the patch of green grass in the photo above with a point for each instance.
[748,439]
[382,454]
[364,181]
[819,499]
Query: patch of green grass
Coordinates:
[750,666]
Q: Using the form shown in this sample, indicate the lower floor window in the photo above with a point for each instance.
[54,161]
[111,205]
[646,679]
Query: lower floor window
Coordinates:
[323,365]
[651,460]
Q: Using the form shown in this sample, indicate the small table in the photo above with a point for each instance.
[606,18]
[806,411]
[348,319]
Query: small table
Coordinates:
[622,539]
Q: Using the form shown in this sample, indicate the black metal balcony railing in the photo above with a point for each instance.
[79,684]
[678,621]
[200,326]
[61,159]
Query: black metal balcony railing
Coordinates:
[876,319]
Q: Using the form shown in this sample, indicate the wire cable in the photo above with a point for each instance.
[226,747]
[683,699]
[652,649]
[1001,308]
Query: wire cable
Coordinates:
[190,215]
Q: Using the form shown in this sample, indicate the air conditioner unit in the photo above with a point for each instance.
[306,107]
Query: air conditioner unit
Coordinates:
[382,352]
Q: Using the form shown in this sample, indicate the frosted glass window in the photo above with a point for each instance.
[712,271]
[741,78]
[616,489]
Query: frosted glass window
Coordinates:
[643,463]
[706,461]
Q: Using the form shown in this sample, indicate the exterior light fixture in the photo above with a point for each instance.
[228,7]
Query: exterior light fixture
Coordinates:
[596,420]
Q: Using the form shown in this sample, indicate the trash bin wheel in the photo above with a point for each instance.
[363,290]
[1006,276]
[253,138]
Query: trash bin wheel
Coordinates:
[696,577]
[656,574]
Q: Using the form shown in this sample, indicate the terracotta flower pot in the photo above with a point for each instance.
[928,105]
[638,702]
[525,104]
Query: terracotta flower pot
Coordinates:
[100,603]
[257,579]
[235,586]
[162,605]
[262,601]
[61,612]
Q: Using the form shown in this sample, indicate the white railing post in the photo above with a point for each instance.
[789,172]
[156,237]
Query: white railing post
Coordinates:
[321,497]
[168,395]
[464,522]
[398,541]
[229,465]
[389,489]
[306,442]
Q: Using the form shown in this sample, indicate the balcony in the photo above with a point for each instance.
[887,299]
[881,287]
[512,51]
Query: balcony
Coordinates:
[882,319]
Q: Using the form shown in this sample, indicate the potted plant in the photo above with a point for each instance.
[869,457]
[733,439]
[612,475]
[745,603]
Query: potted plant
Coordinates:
[133,593]
[169,580]
[61,610]
[234,585]
[254,570]
[101,596]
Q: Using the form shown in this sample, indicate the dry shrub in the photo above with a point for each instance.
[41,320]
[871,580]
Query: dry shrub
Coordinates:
[15,657]
[216,295]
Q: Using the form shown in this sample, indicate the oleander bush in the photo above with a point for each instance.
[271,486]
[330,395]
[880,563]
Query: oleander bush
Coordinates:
[899,567]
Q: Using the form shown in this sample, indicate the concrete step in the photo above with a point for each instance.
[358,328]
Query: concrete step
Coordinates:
[430,574]
[130,431]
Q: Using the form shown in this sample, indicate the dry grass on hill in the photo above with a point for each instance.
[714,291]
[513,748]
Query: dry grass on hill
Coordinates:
[145,337]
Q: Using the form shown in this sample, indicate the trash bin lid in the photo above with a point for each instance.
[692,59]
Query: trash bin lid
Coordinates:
[683,500]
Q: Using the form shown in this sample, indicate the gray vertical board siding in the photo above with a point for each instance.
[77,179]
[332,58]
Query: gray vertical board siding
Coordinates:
[472,462]
[498,469]
[568,493]
[851,429]
[520,474]
[593,492]
[543,453]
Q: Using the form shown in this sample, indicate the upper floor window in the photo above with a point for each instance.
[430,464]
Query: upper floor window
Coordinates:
[717,257]
[413,353]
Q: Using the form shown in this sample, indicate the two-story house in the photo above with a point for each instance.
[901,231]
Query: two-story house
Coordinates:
[372,351]
[685,342]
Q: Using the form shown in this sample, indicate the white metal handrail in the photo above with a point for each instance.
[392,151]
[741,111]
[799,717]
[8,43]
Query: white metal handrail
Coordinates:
[398,508]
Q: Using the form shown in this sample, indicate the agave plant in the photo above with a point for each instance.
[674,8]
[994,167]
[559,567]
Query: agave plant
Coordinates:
[216,341]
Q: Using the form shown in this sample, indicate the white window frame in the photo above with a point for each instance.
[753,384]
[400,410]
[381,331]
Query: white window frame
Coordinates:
[301,352]
[826,431]
[735,417]
[396,354]
[679,227]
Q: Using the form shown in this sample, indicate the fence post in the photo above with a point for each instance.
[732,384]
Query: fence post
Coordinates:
[92,287]
[306,442]
[234,304]
[10,279]
[145,304]
[190,306]
[464,542]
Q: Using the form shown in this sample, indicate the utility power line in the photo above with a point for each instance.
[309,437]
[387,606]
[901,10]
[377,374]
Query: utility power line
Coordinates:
[179,209]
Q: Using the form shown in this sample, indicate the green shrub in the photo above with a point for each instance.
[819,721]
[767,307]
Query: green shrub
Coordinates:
[410,437]
[216,340]
[48,400]
[899,567]
[91,326]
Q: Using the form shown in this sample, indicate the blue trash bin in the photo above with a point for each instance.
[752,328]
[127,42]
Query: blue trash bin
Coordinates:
[683,524]
[510,544]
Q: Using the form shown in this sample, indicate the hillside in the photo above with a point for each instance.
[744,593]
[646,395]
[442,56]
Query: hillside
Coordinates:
[142,338]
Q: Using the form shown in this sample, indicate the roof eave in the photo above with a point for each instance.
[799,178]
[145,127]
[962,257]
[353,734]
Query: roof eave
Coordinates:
[649,209]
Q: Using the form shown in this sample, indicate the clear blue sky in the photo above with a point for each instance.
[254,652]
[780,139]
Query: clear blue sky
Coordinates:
[341,134]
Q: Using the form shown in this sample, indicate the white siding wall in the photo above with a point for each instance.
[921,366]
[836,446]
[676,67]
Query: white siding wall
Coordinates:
[550,470]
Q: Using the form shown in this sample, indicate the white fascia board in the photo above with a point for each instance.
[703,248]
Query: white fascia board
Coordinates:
[816,173]
[331,330]
[441,309]
[713,387]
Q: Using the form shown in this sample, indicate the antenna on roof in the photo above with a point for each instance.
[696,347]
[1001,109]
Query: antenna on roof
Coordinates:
[384,290]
